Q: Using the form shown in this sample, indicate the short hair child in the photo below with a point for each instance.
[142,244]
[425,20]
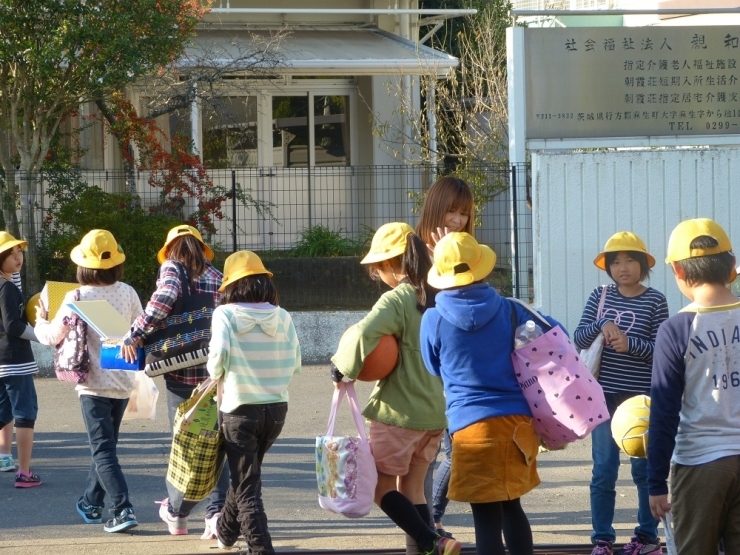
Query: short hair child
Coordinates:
[632,313]
[694,433]
[254,349]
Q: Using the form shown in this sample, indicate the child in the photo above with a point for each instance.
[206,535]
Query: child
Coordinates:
[183,251]
[17,365]
[467,339]
[105,394]
[695,396]
[448,207]
[7,463]
[629,322]
[406,409]
[254,350]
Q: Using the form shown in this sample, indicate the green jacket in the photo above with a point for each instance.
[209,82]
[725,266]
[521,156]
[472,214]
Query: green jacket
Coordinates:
[410,397]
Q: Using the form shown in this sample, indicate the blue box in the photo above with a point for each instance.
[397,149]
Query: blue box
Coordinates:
[112,359]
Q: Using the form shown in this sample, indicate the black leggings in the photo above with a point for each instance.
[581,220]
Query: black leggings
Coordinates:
[490,519]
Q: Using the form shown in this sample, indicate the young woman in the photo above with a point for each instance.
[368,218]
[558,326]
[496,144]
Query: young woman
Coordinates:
[406,409]
[629,322]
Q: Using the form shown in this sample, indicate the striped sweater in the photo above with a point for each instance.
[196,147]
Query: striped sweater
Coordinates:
[640,318]
[254,347]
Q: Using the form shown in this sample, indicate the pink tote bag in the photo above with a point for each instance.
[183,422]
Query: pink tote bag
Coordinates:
[345,467]
[566,401]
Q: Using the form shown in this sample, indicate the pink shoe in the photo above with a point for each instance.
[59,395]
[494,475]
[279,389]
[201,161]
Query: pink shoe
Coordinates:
[210,532]
[23,480]
[177,525]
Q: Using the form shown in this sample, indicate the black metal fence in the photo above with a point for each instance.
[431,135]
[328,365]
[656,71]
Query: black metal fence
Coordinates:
[347,202]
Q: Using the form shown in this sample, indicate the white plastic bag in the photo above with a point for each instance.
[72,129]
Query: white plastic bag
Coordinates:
[591,357]
[142,404]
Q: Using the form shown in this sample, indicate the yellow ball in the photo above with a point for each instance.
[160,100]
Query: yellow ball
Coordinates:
[630,425]
[31,305]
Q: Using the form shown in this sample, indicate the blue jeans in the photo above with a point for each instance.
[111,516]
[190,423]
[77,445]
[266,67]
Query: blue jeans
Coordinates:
[102,417]
[605,454]
[249,432]
[442,480]
[177,392]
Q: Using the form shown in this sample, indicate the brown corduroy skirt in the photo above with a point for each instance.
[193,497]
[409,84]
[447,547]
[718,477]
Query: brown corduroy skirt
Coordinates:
[494,460]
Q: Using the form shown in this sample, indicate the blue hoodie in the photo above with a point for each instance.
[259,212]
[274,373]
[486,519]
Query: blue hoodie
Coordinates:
[467,339]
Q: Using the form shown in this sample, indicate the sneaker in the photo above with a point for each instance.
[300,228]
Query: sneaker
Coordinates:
[177,525]
[445,546]
[7,464]
[224,544]
[91,514]
[210,532]
[639,545]
[123,521]
[23,480]
[444,533]
[602,548]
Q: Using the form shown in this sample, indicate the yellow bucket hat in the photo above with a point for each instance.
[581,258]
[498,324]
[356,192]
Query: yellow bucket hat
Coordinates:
[7,242]
[98,250]
[242,264]
[679,243]
[460,260]
[388,242]
[623,241]
[179,231]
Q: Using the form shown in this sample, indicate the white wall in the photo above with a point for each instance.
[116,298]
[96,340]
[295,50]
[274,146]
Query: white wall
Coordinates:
[581,199]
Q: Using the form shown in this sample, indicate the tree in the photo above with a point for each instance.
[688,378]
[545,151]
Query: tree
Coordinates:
[470,106]
[55,55]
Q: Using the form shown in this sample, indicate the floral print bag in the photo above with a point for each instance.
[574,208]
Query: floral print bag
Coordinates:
[345,468]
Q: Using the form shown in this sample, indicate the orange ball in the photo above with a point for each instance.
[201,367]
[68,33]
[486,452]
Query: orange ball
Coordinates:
[31,305]
[381,361]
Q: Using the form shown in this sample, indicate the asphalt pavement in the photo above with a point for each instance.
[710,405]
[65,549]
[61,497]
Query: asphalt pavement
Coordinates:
[44,520]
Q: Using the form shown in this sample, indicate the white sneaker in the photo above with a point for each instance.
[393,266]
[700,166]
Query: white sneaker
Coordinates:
[177,525]
[210,532]
[7,464]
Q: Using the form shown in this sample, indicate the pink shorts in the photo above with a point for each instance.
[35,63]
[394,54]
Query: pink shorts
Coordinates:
[396,449]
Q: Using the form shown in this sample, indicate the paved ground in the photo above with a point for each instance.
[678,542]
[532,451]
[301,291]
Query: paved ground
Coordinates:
[43,519]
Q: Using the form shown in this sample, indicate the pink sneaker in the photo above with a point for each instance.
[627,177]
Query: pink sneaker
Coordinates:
[446,546]
[23,480]
[177,525]
[210,532]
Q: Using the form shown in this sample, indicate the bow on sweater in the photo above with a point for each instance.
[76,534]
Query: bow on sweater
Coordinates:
[245,322]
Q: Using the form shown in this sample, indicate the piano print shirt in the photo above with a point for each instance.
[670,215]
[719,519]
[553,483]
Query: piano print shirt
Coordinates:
[103,383]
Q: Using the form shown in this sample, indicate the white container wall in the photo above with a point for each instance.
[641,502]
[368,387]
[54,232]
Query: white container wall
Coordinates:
[581,199]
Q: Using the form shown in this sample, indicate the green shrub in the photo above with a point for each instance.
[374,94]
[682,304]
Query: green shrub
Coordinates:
[139,234]
[320,241]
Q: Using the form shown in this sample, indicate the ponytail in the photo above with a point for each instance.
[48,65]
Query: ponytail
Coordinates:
[416,265]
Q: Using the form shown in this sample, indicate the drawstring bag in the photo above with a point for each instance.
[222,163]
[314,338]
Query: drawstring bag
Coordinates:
[71,356]
[591,357]
[566,401]
[345,467]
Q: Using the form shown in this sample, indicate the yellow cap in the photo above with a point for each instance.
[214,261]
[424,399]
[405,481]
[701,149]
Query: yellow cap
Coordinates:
[679,243]
[179,231]
[623,241]
[388,242]
[460,260]
[7,242]
[98,250]
[242,264]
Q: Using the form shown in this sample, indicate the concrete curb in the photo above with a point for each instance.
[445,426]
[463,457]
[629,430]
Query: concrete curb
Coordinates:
[318,333]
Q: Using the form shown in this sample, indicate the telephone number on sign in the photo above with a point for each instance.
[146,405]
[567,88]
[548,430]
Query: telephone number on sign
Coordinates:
[568,115]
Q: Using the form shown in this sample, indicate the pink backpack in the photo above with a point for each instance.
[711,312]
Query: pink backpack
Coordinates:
[345,467]
[566,401]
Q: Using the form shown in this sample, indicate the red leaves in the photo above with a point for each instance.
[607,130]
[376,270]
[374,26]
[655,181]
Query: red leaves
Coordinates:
[177,172]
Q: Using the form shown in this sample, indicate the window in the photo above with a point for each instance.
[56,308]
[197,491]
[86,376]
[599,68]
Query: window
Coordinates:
[230,132]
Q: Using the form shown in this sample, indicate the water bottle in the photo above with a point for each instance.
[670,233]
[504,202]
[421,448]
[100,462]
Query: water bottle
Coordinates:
[526,334]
